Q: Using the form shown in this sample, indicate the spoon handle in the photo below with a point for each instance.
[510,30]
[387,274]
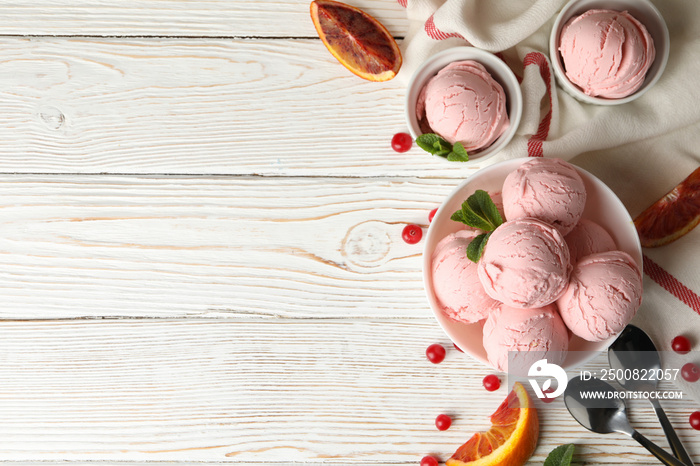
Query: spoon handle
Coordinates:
[679,450]
[654,449]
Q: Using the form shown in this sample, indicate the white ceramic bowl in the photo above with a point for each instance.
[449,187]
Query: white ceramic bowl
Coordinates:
[645,12]
[494,65]
[602,207]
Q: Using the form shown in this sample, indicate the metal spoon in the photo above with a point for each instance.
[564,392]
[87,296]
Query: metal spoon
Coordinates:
[607,415]
[633,349]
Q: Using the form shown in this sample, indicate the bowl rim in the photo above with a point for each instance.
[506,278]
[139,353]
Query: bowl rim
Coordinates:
[662,48]
[500,71]
[431,241]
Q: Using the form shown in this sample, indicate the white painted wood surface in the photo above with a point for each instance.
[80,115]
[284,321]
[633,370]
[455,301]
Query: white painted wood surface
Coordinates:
[200,223]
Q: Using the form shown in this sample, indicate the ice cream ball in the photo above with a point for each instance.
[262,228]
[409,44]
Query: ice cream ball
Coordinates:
[463,103]
[548,189]
[606,53]
[527,335]
[456,282]
[603,295]
[586,238]
[525,264]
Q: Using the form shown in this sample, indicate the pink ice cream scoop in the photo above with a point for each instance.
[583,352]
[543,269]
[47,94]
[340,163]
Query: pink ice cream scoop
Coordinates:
[455,280]
[603,295]
[548,189]
[527,335]
[463,102]
[586,238]
[525,264]
[606,53]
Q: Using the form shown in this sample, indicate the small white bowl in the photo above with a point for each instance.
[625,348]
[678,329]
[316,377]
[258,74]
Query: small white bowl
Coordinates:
[495,66]
[642,10]
[602,207]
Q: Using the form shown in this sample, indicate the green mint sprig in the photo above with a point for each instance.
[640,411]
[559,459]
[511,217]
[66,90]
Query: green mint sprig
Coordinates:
[479,211]
[560,456]
[434,144]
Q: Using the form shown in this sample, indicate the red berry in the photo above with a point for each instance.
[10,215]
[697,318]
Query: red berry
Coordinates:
[443,422]
[457,347]
[412,234]
[429,461]
[435,353]
[695,420]
[681,345]
[432,214]
[492,382]
[547,400]
[401,142]
[690,372]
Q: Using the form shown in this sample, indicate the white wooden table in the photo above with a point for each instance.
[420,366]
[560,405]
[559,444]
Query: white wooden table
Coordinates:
[200,220]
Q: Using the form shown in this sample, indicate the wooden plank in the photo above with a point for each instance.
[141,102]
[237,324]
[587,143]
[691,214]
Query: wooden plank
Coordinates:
[211,18]
[106,246]
[198,107]
[342,391]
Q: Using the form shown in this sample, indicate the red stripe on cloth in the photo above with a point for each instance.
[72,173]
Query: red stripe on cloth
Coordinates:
[534,144]
[671,284]
[402,3]
[436,34]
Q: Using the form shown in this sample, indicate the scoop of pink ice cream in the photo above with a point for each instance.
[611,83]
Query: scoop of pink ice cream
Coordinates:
[463,102]
[455,280]
[531,334]
[525,264]
[548,189]
[586,238]
[606,53]
[603,295]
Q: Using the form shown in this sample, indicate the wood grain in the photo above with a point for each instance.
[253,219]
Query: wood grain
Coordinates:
[211,18]
[357,392]
[121,246]
[264,107]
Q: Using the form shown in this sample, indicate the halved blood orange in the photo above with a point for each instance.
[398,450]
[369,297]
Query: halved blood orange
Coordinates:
[672,216]
[510,441]
[360,42]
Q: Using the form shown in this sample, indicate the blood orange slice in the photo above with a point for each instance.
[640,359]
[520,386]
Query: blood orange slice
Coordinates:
[360,42]
[510,441]
[672,216]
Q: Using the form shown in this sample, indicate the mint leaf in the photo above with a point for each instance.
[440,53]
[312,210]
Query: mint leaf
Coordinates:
[458,154]
[434,144]
[458,217]
[560,456]
[481,204]
[474,220]
[426,141]
[479,211]
[476,247]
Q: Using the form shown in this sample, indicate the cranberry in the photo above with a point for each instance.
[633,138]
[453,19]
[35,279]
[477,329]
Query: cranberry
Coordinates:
[690,372]
[443,422]
[412,234]
[432,214]
[401,142]
[492,382]
[457,347]
[435,353]
[681,345]
[429,461]
[695,420]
